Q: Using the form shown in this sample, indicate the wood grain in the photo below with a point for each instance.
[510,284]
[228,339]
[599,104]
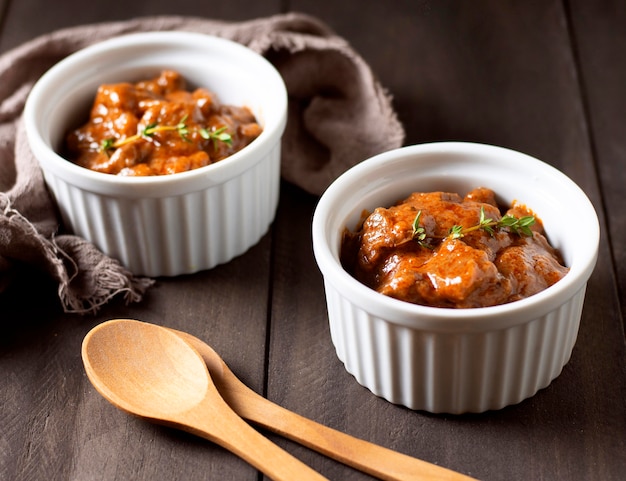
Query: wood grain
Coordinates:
[26,19]
[600,44]
[545,78]
[150,372]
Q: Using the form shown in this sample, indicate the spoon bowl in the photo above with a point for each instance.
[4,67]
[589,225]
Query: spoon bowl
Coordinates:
[182,382]
[150,372]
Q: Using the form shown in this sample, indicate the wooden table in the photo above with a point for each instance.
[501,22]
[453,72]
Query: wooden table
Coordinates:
[547,78]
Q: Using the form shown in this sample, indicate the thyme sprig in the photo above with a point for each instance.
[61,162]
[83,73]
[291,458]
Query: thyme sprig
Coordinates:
[216,135]
[419,233]
[515,225]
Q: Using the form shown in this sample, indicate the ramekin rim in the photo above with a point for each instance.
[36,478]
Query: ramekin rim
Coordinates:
[234,163]
[436,318]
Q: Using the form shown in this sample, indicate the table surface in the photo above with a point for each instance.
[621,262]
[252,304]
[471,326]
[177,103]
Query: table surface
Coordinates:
[547,78]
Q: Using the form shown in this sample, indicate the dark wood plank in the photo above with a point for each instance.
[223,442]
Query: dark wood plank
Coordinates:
[3,6]
[22,25]
[495,73]
[600,42]
[488,71]
[56,426]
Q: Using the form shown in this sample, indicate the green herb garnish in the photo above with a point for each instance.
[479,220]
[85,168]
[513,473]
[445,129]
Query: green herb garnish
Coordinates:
[419,234]
[216,135]
[519,226]
[515,225]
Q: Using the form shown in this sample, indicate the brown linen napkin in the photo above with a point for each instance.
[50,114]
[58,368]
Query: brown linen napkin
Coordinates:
[338,115]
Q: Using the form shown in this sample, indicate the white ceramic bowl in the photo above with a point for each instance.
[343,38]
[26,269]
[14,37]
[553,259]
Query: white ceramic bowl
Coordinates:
[172,224]
[455,360]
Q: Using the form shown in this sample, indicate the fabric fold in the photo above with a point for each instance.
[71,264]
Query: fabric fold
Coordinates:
[339,115]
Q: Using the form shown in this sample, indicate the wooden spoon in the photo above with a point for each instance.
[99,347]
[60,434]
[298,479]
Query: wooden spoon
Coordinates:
[149,371]
[370,458]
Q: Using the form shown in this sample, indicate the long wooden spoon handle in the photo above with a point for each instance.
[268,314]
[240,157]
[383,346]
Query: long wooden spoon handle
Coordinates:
[234,434]
[370,458]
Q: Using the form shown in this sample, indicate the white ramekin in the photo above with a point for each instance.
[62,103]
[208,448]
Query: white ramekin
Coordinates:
[172,224]
[455,360]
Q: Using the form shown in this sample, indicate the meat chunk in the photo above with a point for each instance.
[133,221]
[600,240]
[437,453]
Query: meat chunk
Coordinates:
[463,259]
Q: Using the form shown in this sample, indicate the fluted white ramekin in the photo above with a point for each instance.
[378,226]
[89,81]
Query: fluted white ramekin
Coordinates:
[455,360]
[171,224]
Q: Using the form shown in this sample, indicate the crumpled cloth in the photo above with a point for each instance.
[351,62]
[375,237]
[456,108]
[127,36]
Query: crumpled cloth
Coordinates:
[338,116]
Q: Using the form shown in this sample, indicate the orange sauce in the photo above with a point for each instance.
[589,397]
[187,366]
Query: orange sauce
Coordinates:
[157,127]
[478,269]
